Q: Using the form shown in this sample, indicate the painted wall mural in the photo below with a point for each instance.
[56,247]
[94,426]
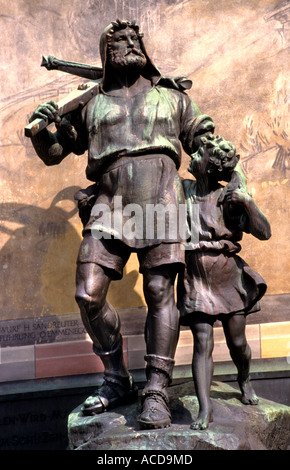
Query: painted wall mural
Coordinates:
[235,52]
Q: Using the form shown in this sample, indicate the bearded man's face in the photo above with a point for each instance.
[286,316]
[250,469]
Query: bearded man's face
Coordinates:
[125,50]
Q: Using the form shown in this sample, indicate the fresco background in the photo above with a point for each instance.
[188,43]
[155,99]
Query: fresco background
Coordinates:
[235,52]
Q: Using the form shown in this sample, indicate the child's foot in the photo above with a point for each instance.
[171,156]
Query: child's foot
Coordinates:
[203,420]
[249,396]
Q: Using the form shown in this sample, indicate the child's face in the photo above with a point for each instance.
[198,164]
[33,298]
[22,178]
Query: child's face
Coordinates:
[199,162]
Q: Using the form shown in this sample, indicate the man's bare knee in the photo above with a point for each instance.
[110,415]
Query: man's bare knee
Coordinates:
[156,290]
[92,286]
[159,287]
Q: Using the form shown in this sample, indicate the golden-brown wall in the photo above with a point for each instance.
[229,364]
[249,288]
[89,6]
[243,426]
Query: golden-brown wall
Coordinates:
[235,52]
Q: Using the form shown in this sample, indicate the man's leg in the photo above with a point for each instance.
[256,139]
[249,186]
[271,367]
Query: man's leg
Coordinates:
[161,334]
[240,351]
[103,325]
[202,371]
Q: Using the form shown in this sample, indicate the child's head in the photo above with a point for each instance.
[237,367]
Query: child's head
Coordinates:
[215,157]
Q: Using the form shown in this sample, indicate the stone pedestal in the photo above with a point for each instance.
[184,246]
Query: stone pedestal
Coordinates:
[235,426]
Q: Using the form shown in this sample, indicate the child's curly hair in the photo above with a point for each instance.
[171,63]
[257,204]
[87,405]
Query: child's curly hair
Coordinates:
[222,156]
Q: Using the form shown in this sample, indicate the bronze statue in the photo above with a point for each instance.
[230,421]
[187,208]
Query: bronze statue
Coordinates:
[133,129]
[217,284]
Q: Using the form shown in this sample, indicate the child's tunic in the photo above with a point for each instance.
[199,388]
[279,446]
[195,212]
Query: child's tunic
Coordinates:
[216,280]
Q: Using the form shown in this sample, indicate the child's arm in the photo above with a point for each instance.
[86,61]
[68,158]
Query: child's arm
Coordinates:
[258,224]
[237,179]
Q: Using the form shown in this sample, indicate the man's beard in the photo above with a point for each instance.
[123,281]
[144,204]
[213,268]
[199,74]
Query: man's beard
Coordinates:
[133,60]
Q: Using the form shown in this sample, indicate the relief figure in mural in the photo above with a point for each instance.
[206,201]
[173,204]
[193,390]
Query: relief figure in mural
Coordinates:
[133,129]
[217,284]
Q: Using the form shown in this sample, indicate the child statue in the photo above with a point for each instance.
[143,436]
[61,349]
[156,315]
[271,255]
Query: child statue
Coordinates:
[217,284]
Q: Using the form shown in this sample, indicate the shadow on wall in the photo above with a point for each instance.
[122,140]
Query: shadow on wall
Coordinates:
[38,261]
[125,293]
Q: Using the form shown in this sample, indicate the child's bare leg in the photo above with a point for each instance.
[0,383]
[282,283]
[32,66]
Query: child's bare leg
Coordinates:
[240,351]
[202,371]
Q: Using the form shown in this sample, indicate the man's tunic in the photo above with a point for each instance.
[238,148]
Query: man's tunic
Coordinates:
[134,151]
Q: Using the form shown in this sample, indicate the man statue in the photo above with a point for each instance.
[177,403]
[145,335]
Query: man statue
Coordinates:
[133,130]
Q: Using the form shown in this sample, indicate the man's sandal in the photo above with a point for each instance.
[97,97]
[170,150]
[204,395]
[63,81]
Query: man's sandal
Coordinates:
[155,413]
[110,395]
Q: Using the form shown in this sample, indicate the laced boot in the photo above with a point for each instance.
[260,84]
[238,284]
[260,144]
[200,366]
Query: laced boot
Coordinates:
[155,412]
[118,387]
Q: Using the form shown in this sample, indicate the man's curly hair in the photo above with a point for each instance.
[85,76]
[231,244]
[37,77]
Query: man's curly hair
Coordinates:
[222,156]
[123,24]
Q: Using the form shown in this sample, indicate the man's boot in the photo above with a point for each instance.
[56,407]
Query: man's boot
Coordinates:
[155,412]
[118,387]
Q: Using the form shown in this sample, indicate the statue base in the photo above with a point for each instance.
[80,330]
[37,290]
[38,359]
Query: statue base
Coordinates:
[235,427]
